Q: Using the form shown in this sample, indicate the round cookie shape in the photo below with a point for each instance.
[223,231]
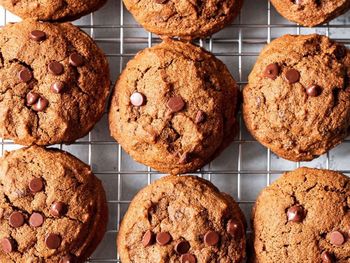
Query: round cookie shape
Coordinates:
[185,112]
[297,101]
[320,235]
[28,230]
[52,10]
[184,18]
[45,96]
[311,12]
[196,222]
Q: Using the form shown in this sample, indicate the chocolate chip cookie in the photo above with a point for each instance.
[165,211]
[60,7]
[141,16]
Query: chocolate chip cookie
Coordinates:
[52,208]
[186,18]
[304,216]
[52,10]
[174,107]
[54,83]
[297,101]
[182,219]
[311,12]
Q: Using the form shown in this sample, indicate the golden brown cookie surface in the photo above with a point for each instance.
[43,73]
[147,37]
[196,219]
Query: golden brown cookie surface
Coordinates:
[297,101]
[174,107]
[304,216]
[51,207]
[182,219]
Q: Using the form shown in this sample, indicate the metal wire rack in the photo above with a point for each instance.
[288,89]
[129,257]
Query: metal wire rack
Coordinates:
[246,167]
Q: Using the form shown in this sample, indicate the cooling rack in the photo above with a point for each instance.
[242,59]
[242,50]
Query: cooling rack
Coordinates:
[245,167]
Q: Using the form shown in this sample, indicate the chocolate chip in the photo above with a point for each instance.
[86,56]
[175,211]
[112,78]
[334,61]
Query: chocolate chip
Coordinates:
[313,91]
[161,1]
[32,98]
[184,158]
[175,104]
[296,213]
[292,76]
[137,99]
[68,259]
[340,52]
[41,104]
[326,257]
[272,71]
[232,228]
[36,185]
[336,238]
[25,75]
[163,238]
[58,209]
[188,258]
[36,220]
[182,247]
[7,245]
[148,238]
[76,60]
[55,68]
[200,117]
[58,87]
[16,219]
[37,35]
[53,241]
[211,238]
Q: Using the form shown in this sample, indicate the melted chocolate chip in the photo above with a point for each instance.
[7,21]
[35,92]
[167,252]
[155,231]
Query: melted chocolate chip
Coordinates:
[313,91]
[37,35]
[292,76]
[25,75]
[137,99]
[327,257]
[148,238]
[16,219]
[336,238]
[188,258]
[200,117]
[182,247]
[211,238]
[53,241]
[36,185]
[163,238]
[76,60]
[272,71]
[7,245]
[55,68]
[232,228]
[36,220]
[296,213]
[176,104]
[41,104]
[32,98]
[58,209]
[58,87]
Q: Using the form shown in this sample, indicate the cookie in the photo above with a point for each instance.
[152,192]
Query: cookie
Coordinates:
[52,10]
[311,12]
[186,19]
[304,216]
[182,219]
[174,107]
[297,101]
[52,208]
[54,83]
